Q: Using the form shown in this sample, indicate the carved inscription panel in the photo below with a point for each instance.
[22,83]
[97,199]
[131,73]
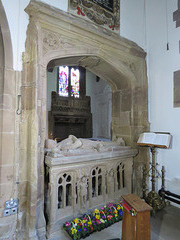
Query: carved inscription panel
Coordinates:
[105,13]
[107,4]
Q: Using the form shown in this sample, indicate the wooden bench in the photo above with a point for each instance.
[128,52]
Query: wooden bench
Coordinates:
[139,213]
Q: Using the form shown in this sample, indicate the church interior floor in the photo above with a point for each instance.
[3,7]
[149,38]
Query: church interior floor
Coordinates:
[165,225]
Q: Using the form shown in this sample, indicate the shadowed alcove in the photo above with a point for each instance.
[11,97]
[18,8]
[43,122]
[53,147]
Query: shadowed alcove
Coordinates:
[88,115]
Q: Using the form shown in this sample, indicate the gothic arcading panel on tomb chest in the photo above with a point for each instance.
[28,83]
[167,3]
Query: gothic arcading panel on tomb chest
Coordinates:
[77,187]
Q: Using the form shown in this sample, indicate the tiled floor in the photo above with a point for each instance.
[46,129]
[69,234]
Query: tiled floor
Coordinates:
[165,225]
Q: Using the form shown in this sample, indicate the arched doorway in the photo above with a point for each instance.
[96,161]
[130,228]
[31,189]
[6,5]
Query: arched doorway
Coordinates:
[57,35]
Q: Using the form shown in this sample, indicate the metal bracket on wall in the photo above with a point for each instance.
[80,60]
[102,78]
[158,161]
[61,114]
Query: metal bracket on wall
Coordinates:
[11,207]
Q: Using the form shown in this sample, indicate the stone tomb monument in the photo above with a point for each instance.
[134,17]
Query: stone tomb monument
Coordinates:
[83,174]
[116,60]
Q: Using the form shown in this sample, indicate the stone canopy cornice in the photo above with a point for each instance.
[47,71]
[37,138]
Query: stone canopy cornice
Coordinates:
[48,15]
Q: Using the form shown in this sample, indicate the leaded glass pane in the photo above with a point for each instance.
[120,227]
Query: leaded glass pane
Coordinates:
[63,81]
[75,75]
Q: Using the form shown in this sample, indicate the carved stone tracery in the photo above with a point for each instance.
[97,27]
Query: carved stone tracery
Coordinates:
[82,184]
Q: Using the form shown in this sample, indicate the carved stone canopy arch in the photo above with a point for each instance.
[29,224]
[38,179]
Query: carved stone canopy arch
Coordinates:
[53,36]
[98,66]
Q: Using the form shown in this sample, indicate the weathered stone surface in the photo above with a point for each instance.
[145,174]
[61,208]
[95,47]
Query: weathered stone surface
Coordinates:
[125,118]
[8,117]
[140,118]
[116,97]
[126,100]
[10,86]
[7,227]
[7,148]
[7,174]
[6,102]
[28,97]
[140,99]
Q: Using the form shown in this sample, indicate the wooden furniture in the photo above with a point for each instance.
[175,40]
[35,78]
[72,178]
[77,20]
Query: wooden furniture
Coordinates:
[154,140]
[141,218]
[69,115]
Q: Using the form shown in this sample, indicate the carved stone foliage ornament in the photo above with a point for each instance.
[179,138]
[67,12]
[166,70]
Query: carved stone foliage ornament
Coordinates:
[103,12]
[53,41]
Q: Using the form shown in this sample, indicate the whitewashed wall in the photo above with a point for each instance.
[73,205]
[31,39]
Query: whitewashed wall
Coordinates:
[147,23]
[161,65]
[18,21]
[132,21]
[143,22]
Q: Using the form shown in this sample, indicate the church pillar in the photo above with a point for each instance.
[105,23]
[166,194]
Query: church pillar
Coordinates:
[31,132]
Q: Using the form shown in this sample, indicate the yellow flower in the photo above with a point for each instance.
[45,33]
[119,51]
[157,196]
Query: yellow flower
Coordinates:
[97,216]
[96,210]
[89,223]
[74,231]
[76,220]
[118,207]
[116,215]
[83,221]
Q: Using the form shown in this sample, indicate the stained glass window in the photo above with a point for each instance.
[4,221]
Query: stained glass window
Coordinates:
[75,82]
[63,81]
[68,81]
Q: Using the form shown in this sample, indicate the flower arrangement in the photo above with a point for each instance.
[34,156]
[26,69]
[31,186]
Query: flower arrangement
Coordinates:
[95,221]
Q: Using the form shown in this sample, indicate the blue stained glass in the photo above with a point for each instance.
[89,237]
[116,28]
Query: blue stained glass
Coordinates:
[63,81]
[75,75]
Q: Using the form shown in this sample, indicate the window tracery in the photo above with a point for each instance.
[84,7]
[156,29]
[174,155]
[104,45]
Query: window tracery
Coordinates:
[120,176]
[65,191]
[96,177]
[71,81]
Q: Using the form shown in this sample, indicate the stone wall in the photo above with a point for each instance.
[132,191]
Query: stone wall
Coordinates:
[8,188]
